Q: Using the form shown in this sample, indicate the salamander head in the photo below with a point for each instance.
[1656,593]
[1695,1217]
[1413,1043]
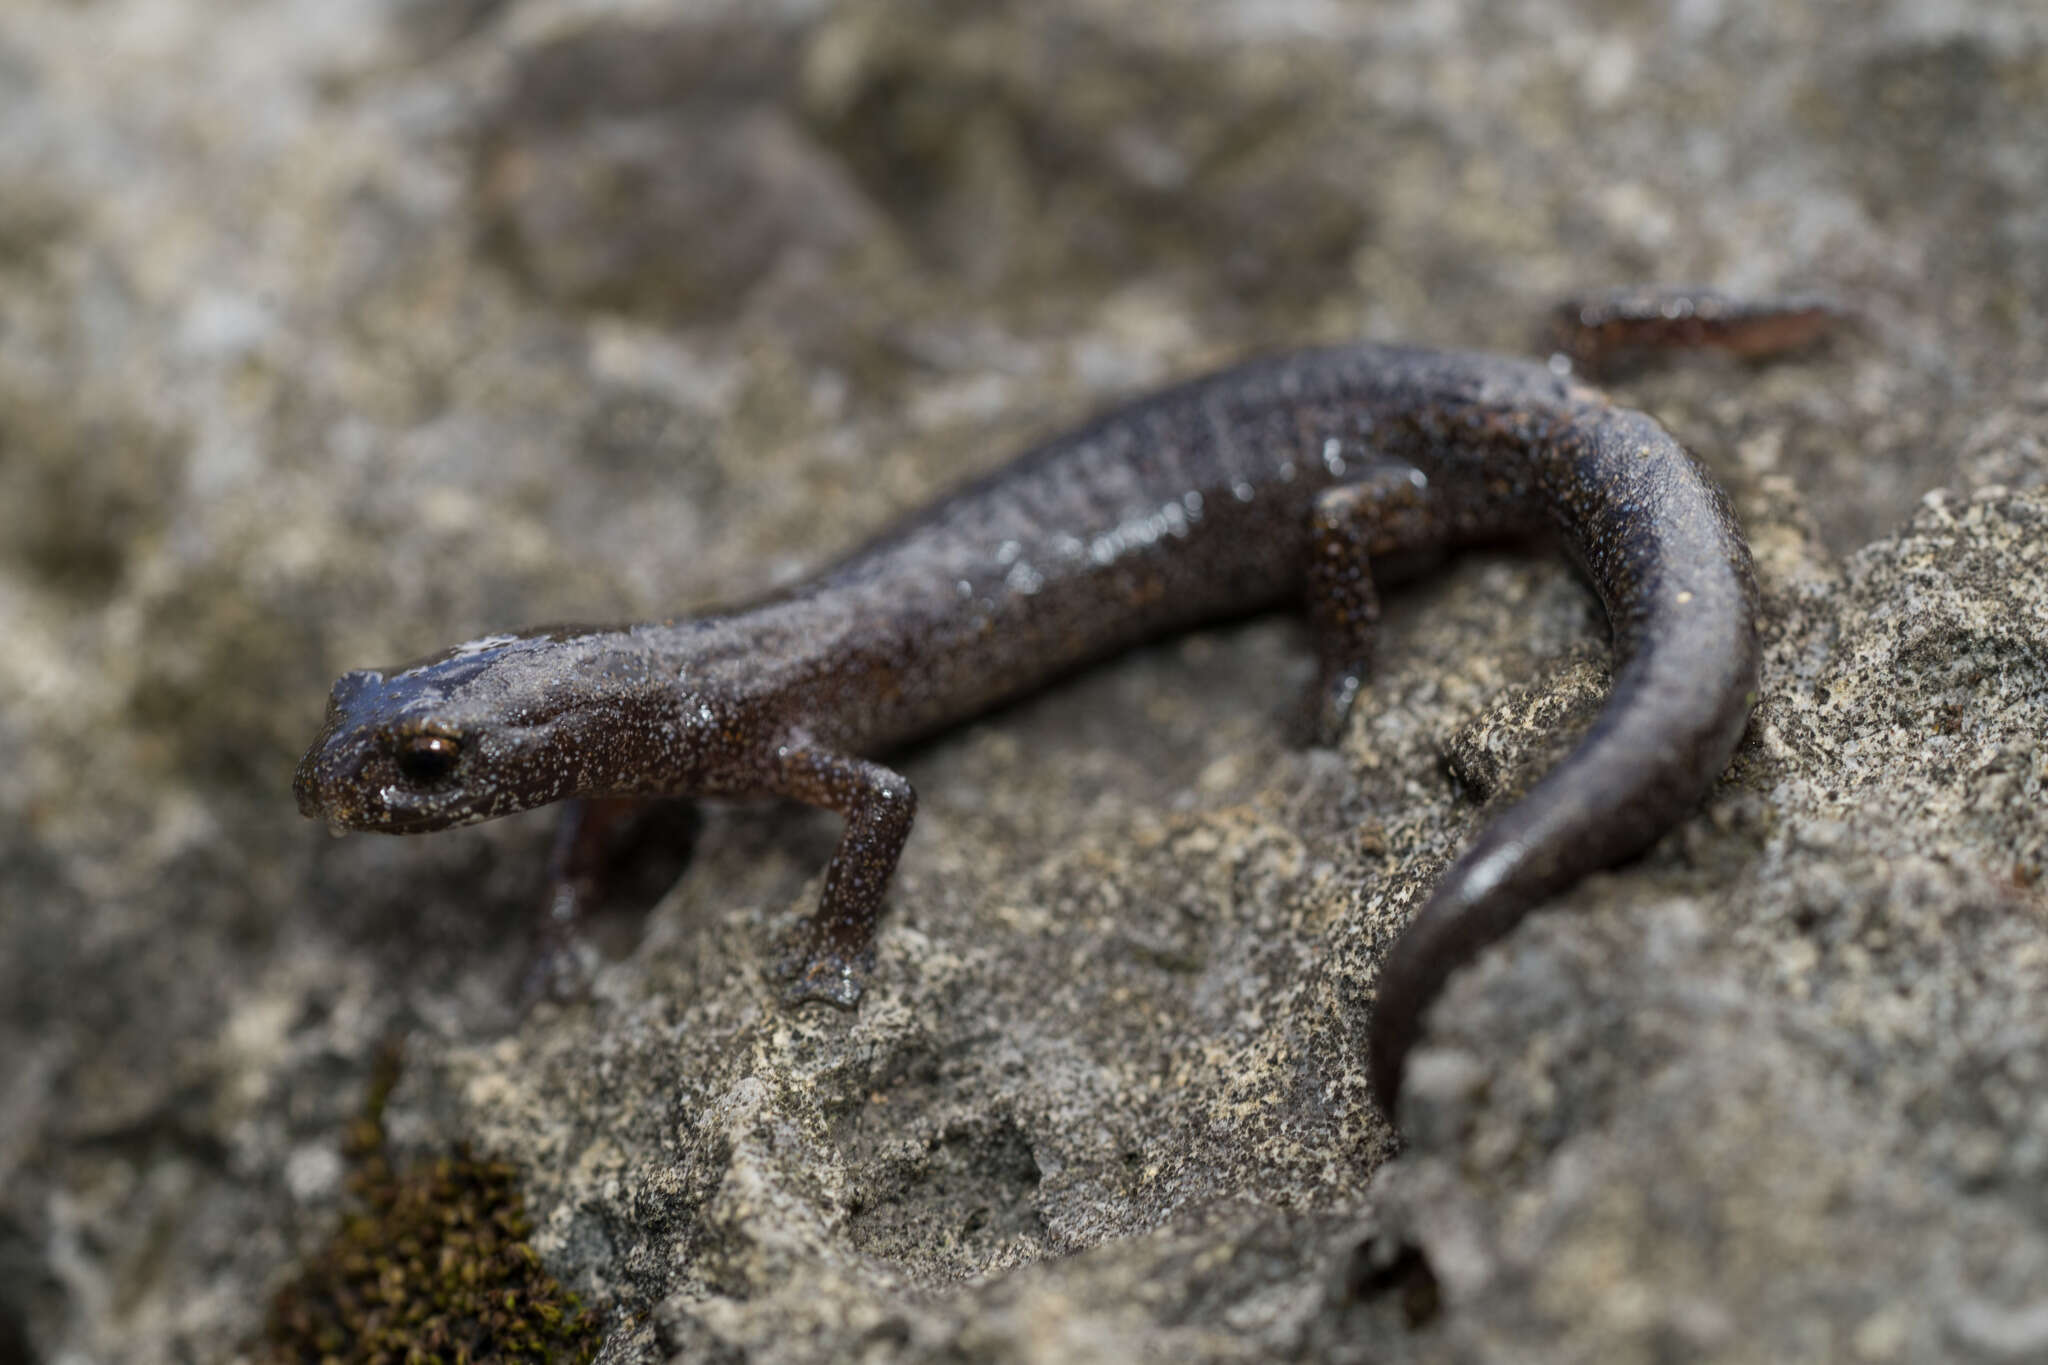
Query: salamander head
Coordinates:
[488,728]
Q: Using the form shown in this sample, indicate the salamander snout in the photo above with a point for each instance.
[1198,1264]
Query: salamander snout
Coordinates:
[469,734]
[451,741]
[305,791]
[322,769]
[375,765]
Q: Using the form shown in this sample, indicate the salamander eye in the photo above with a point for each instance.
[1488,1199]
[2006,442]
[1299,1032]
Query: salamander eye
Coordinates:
[425,760]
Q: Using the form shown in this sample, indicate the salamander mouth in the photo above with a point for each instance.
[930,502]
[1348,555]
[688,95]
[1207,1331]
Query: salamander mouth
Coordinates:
[353,805]
[395,810]
[395,822]
[374,817]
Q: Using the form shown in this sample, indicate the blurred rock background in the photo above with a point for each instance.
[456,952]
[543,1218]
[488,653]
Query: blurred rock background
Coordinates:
[332,333]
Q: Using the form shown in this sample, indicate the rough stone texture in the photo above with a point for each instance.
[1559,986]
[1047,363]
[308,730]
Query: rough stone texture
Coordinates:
[333,332]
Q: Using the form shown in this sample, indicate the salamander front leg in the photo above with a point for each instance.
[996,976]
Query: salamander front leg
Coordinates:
[603,847]
[1389,509]
[834,944]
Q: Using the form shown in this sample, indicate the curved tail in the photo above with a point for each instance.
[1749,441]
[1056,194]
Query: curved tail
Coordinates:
[1662,548]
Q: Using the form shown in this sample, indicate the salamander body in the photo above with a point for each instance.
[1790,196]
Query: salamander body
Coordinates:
[1281,480]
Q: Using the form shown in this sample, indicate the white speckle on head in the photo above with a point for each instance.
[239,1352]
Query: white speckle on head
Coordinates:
[468,649]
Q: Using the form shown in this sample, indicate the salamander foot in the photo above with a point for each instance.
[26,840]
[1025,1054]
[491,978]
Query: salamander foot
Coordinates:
[810,971]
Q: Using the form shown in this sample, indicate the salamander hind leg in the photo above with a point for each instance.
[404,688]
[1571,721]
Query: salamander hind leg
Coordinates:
[834,946]
[1389,509]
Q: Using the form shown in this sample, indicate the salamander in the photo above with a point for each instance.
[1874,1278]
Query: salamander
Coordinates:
[1279,480]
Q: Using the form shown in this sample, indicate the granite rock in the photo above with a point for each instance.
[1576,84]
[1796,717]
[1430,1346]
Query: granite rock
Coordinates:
[331,333]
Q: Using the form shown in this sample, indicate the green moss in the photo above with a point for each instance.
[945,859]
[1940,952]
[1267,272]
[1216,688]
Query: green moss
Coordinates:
[433,1266]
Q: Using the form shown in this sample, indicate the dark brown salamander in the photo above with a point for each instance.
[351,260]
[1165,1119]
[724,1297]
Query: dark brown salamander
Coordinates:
[1264,484]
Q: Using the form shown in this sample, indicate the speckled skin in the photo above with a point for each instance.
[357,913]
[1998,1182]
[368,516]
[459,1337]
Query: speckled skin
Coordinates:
[1267,483]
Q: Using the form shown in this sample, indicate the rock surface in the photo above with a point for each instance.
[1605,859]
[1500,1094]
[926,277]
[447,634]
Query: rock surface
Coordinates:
[331,333]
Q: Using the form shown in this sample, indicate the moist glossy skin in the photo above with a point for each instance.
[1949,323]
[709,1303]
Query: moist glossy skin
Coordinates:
[1273,482]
